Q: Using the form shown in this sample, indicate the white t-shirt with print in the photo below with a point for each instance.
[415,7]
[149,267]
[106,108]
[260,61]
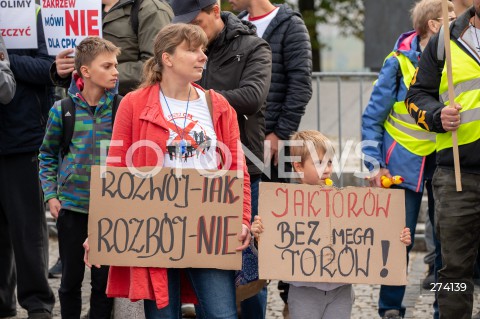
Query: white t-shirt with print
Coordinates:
[195,128]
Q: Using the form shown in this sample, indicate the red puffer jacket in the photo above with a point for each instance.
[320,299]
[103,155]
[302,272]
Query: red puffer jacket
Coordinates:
[140,117]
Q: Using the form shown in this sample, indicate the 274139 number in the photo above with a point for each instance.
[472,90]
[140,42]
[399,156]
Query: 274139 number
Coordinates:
[454,287]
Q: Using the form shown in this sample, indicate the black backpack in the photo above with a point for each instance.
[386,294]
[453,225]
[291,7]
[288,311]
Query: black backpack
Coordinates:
[68,122]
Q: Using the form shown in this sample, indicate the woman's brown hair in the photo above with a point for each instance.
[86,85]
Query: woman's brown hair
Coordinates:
[167,40]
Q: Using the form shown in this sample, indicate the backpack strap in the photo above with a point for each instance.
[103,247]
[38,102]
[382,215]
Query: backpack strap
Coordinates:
[68,124]
[116,102]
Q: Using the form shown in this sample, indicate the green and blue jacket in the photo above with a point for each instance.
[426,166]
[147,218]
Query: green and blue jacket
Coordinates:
[68,178]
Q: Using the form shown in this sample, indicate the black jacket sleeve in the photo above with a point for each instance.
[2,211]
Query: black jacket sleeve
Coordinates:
[56,79]
[298,68]
[254,84]
[422,98]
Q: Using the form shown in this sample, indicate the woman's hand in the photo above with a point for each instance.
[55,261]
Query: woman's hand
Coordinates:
[257,227]
[244,237]
[85,256]
[405,236]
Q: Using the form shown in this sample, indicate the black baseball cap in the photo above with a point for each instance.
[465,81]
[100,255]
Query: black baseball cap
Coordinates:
[186,10]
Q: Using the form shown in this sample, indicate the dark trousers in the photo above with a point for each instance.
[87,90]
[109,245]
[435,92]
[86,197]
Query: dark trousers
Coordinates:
[457,223]
[72,232]
[23,237]
[437,262]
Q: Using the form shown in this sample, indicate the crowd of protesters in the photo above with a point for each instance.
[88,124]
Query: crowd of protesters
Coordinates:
[247,79]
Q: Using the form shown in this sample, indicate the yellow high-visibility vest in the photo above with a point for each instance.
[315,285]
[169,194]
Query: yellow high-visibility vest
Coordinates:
[400,125]
[466,81]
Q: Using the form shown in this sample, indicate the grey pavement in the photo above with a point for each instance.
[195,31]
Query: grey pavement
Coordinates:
[419,305]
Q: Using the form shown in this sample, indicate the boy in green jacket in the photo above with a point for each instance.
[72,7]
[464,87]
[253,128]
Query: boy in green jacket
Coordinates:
[66,181]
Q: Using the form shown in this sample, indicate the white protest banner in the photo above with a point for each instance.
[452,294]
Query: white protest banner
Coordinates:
[315,234]
[18,24]
[67,22]
[165,220]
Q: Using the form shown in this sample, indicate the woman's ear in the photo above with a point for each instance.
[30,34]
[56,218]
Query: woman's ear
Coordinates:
[166,59]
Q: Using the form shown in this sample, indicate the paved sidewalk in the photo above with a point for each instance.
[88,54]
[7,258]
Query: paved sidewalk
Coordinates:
[366,296]
[419,306]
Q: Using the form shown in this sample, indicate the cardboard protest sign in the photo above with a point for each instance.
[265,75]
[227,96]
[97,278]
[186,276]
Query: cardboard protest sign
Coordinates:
[165,220]
[67,22]
[316,234]
[18,25]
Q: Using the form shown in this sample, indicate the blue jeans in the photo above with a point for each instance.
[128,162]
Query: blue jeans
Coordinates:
[255,307]
[391,297]
[215,290]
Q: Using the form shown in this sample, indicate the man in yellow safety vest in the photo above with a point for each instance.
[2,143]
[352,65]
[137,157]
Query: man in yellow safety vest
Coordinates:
[401,147]
[457,214]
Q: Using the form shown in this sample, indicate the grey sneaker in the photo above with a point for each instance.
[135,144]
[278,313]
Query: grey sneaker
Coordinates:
[476,316]
[392,314]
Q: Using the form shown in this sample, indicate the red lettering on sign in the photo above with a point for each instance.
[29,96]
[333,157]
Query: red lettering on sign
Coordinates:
[82,23]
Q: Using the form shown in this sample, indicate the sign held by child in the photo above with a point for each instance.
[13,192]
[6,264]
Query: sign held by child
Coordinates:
[324,234]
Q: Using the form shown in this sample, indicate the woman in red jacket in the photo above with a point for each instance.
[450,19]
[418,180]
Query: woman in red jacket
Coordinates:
[188,125]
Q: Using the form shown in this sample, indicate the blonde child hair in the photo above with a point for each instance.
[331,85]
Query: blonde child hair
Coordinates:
[310,138]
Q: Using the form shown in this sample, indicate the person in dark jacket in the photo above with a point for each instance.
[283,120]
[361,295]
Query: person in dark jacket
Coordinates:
[291,86]
[290,91]
[23,227]
[457,214]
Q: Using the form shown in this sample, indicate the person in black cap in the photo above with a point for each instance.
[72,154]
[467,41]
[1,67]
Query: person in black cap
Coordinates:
[239,67]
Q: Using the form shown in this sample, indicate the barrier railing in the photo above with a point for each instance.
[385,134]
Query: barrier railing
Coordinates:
[336,107]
